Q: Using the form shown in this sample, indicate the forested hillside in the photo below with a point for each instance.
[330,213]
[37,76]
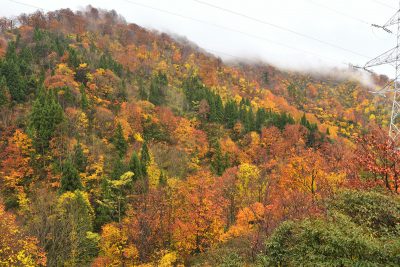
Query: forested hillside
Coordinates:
[121,146]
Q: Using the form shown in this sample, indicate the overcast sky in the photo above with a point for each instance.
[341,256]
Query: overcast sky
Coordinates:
[341,26]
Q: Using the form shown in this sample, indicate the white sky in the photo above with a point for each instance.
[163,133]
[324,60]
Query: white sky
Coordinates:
[344,23]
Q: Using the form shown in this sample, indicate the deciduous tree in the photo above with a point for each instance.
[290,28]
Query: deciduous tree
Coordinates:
[17,248]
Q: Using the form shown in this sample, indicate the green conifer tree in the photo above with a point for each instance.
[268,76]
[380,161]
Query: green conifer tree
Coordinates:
[304,121]
[219,109]
[45,116]
[84,99]
[80,160]
[162,181]
[145,158]
[213,117]
[157,92]
[119,141]
[261,117]
[70,179]
[219,162]
[143,95]
[16,84]
[135,166]
[118,168]
[4,92]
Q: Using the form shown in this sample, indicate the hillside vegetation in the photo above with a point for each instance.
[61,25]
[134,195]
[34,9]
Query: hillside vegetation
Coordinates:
[121,146]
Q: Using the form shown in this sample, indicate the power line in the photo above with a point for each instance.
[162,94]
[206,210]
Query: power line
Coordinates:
[339,12]
[281,28]
[214,25]
[383,4]
[230,29]
[29,5]
[212,51]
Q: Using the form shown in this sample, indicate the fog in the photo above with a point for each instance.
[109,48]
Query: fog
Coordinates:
[338,32]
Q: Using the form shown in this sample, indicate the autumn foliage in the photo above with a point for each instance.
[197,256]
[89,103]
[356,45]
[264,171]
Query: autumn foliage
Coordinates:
[126,147]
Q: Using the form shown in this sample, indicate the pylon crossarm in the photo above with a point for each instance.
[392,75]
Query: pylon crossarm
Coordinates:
[387,57]
[392,21]
[381,27]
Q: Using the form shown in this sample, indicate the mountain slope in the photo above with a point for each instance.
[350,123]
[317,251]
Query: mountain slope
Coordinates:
[123,146]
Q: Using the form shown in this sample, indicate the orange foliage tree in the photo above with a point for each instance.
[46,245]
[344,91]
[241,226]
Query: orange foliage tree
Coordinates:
[200,221]
[17,248]
[16,171]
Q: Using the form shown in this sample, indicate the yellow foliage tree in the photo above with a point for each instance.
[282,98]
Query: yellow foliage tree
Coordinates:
[16,248]
[115,249]
[250,184]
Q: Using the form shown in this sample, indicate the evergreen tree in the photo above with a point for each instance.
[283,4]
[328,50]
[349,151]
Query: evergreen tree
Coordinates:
[25,58]
[38,34]
[16,84]
[73,59]
[135,166]
[103,209]
[312,130]
[142,90]
[119,141]
[251,120]
[118,168]
[107,62]
[260,119]
[219,162]
[4,92]
[248,119]
[312,134]
[265,77]
[195,91]
[70,179]
[213,117]
[242,113]
[219,109]
[157,92]
[84,99]
[231,114]
[80,159]
[45,116]
[122,92]
[162,180]
[304,121]
[145,158]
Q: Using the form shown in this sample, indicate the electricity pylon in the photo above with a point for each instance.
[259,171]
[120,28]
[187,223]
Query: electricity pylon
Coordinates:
[391,57]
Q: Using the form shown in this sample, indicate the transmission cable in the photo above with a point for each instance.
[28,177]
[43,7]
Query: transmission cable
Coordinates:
[281,28]
[234,30]
[339,12]
[383,4]
[214,25]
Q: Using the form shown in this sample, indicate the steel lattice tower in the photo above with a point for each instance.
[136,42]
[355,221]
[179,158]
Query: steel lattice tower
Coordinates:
[391,57]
